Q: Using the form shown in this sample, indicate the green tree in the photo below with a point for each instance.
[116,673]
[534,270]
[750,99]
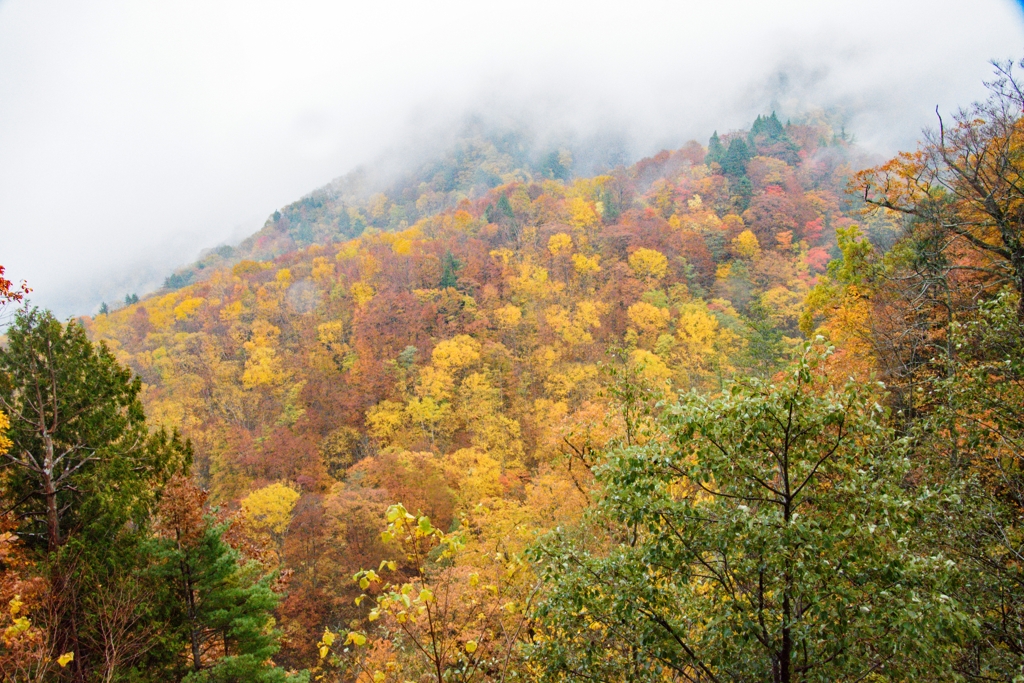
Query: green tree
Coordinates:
[716,150]
[974,440]
[77,426]
[734,161]
[764,347]
[82,471]
[760,536]
[450,267]
[220,609]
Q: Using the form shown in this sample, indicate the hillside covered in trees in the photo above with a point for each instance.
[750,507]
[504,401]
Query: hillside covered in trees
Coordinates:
[473,343]
[736,412]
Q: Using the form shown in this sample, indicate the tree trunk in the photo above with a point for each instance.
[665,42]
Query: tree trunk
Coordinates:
[50,494]
[193,616]
[787,640]
[1020,300]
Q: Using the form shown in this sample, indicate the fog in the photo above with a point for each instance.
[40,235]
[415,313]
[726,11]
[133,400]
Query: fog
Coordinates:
[135,134]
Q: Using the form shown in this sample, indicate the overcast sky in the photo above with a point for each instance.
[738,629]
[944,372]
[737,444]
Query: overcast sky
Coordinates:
[134,134]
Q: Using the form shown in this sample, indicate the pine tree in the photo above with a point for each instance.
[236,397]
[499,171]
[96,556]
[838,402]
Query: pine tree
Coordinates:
[82,471]
[220,609]
[769,127]
[82,455]
[449,271]
[715,150]
[734,163]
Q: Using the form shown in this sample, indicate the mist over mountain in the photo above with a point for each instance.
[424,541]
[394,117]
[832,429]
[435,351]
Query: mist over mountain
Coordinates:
[136,138]
[541,343]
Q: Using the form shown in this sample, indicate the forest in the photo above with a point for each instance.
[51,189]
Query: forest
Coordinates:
[744,411]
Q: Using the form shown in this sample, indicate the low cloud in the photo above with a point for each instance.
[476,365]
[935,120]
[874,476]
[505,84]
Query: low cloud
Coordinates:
[134,135]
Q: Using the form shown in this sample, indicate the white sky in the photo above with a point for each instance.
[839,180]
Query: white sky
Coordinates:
[134,134]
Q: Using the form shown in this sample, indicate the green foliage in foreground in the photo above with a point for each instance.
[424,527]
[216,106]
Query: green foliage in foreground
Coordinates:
[974,441]
[761,536]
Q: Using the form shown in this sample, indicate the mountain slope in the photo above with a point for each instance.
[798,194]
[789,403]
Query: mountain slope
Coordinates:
[450,341]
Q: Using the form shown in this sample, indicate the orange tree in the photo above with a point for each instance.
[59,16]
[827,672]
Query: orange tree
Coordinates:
[963,193]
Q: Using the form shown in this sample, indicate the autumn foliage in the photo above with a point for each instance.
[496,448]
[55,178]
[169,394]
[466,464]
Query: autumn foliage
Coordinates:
[456,363]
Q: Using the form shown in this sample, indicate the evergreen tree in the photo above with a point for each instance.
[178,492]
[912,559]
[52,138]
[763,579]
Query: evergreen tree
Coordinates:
[742,190]
[557,165]
[716,150]
[505,207]
[768,137]
[449,271]
[734,162]
[82,458]
[769,127]
[612,209]
[82,472]
[221,610]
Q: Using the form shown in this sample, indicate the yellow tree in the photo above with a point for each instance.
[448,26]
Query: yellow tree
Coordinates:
[649,265]
[450,622]
[269,510]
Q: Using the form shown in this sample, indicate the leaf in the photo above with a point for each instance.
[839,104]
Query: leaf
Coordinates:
[470,646]
[65,659]
[356,638]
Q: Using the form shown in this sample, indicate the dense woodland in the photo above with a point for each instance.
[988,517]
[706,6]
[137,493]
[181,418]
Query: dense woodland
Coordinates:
[736,412]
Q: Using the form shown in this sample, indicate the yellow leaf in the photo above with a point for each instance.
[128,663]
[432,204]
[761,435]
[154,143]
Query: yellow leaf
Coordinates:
[648,264]
[470,646]
[270,508]
[65,659]
[323,651]
[378,676]
[374,615]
